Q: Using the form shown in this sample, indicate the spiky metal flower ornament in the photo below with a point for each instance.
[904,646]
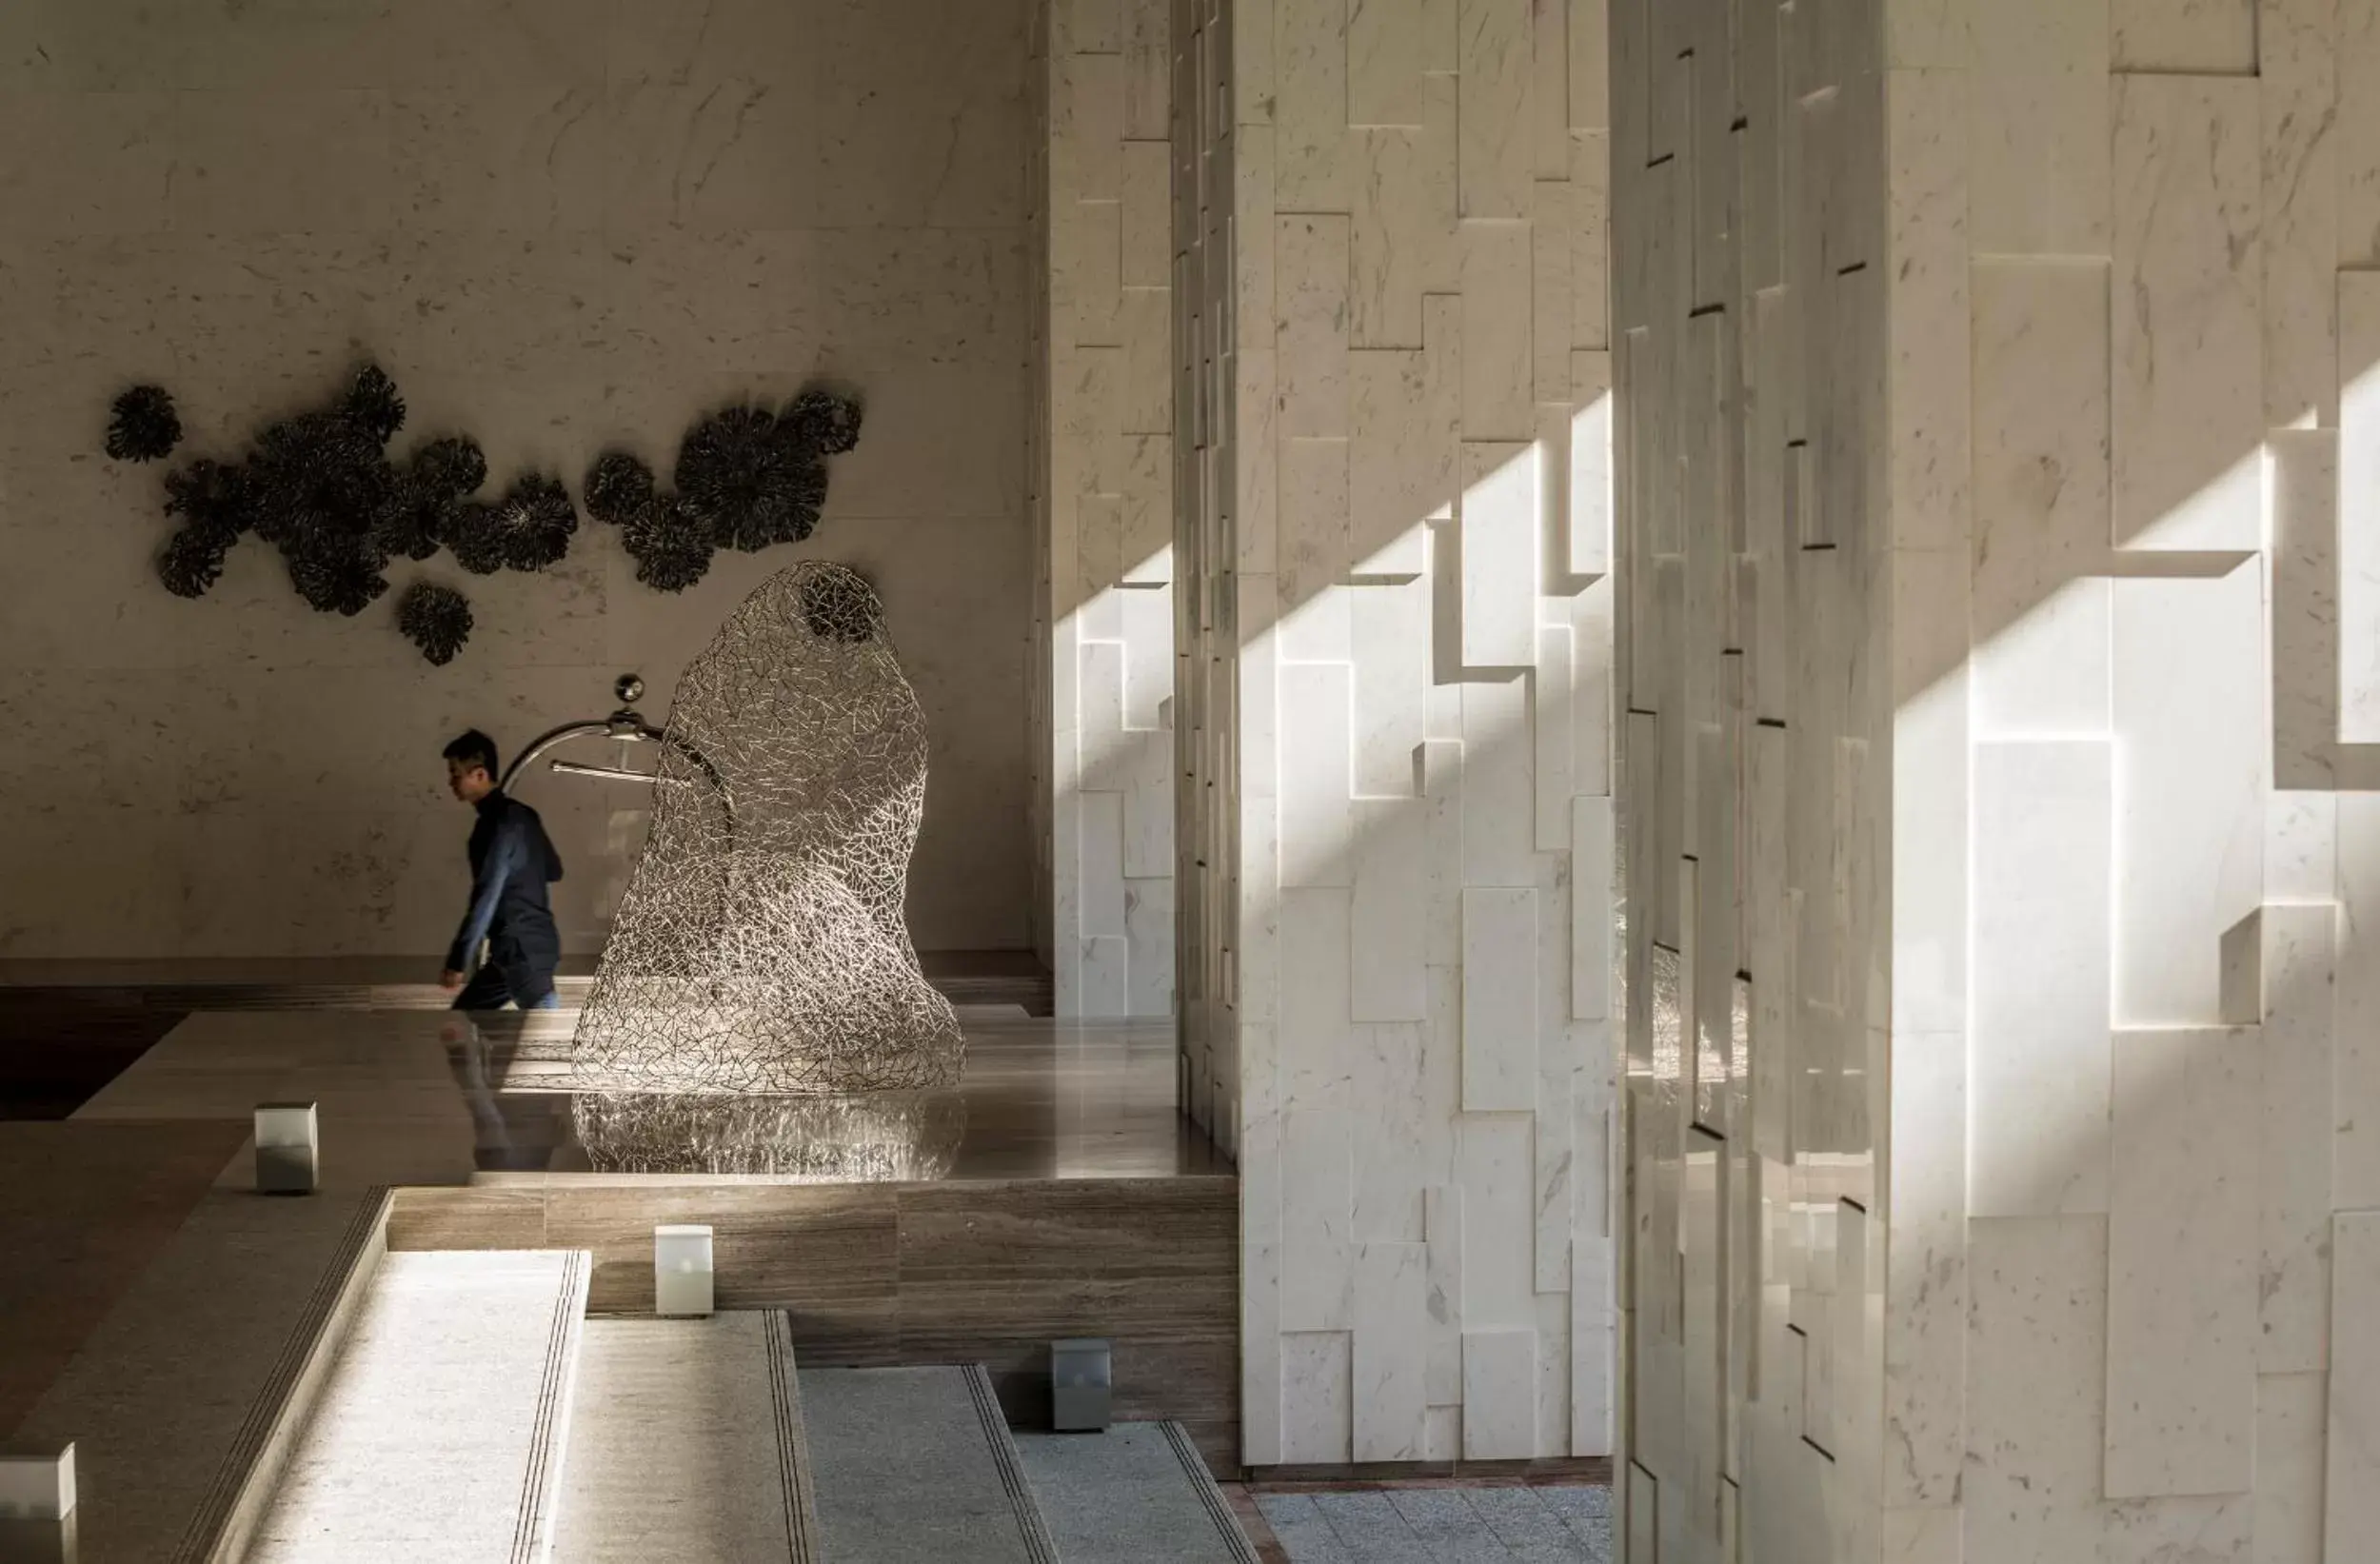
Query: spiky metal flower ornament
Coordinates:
[750,480]
[436,618]
[619,488]
[143,426]
[672,546]
[528,529]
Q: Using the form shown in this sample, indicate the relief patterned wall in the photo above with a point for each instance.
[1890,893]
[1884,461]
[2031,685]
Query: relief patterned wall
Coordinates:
[1394,535]
[2002,853]
[1105,465]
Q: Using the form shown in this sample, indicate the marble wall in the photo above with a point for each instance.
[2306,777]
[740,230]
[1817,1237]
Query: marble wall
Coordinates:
[1104,472]
[1393,544]
[560,223]
[1998,633]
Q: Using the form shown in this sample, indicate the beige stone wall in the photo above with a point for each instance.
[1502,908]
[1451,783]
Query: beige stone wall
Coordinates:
[1394,335]
[559,223]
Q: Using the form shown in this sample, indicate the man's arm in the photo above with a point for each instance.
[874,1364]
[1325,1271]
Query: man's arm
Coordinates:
[502,859]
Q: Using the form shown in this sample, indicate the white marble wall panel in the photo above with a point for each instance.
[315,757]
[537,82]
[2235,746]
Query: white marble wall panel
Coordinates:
[2189,723]
[2356,1110]
[1500,515]
[2182,1271]
[1500,1372]
[2041,96]
[1392,1281]
[2299,968]
[2356,41]
[2189,404]
[1498,801]
[2351,1502]
[2302,568]
[2290,1445]
[2041,499]
[1391,909]
[2185,37]
[1500,1020]
[1317,808]
[2036,1376]
[2358,559]
[2297,71]
[2043,947]
[1317,1397]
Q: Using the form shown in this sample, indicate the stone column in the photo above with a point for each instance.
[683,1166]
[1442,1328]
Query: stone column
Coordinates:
[1998,626]
[1105,473]
[1395,540]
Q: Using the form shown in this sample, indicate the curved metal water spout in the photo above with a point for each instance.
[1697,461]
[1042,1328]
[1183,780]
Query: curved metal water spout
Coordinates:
[627,726]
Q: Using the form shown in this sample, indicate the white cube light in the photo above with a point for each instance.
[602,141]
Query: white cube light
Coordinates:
[682,1270]
[287,1148]
[1079,1373]
[36,1481]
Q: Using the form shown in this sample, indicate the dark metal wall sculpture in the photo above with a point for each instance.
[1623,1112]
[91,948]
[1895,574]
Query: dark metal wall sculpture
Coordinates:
[321,488]
[772,957]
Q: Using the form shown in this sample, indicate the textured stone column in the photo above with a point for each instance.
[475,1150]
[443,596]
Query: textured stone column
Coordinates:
[1103,511]
[1994,559]
[1394,532]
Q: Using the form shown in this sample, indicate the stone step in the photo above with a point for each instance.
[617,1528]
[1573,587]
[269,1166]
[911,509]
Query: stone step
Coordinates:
[440,1433]
[686,1443]
[1137,1494]
[917,1466]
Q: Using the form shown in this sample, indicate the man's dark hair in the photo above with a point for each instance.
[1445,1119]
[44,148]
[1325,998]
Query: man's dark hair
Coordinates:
[475,748]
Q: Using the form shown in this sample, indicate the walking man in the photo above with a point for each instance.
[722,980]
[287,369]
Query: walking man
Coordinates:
[512,861]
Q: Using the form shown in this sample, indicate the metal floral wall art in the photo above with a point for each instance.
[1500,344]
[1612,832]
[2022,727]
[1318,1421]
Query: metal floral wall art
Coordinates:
[322,488]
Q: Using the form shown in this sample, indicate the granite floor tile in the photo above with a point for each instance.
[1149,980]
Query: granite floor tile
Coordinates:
[1298,1523]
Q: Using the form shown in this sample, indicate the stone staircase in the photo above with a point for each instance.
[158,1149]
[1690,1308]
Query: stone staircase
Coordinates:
[472,1412]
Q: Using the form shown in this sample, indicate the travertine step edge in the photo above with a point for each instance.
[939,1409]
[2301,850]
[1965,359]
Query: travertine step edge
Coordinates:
[1202,1482]
[533,1536]
[793,1445]
[236,1500]
[1039,1544]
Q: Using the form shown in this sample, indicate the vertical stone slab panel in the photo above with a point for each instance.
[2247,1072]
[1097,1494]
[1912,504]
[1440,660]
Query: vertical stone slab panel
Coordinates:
[1495,66]
[2041,104]
[1391,1284]
[2351,1508]
[2182,1277]
[2043,834]
[2358,567]
[2181,37]
[2188,345]
[1499,1022]
[2189,819]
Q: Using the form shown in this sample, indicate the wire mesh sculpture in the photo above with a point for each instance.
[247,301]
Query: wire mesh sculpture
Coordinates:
[761,946]
[890,1137]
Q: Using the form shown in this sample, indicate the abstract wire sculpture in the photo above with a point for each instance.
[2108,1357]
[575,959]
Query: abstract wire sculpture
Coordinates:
[891,1137]
[761,946]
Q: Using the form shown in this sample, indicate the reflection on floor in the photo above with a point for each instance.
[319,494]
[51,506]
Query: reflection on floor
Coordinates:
[421,1097]
[69,1027]
[1426,1525]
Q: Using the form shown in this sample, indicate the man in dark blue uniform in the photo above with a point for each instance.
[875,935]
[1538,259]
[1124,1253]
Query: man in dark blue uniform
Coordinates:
[512,861]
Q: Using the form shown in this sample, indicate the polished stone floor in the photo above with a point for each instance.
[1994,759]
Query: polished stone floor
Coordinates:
[426,1097]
